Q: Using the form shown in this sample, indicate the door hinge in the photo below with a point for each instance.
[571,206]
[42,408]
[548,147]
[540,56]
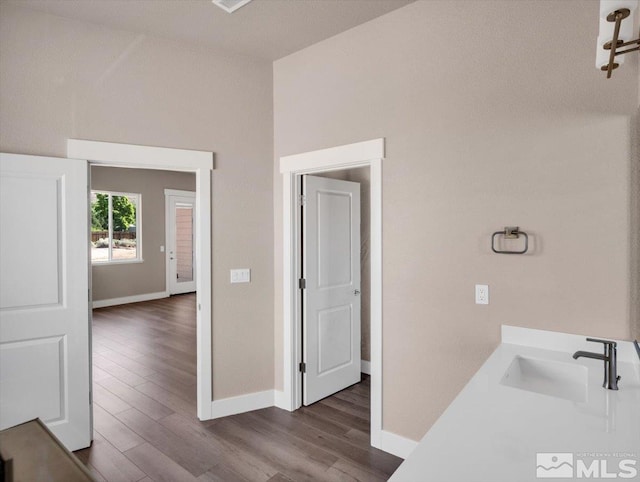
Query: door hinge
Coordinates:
[90,397]
[302,200]
[303,367]
[302,283]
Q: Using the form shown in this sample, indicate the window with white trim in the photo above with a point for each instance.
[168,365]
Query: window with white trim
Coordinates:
[115,227]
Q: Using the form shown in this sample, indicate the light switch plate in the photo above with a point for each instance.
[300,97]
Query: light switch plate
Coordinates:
[241,275]
[482,294]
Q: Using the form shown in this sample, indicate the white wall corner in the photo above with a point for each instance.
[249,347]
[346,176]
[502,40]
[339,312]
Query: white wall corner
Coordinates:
[242,403]
[365,367]
[396,444]
[130,299]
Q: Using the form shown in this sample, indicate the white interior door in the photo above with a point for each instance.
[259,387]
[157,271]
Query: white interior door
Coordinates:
[180,219]
[44,296]
[331,301]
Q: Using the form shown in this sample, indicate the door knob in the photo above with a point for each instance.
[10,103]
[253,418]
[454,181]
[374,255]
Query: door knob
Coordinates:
[356,292]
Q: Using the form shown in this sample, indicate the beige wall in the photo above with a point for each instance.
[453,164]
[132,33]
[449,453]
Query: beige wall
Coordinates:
[119,280]
[62,79]
[480,133]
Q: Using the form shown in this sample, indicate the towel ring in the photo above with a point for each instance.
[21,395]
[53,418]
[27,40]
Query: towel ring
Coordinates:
[510,232]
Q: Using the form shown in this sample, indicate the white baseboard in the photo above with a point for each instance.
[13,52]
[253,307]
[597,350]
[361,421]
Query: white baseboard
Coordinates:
[365,367]
[389,442]
[280,401]
[396,444]
[130,299]
[242,403]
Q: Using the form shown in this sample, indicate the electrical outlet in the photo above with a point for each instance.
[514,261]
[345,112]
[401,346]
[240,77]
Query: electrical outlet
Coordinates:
[240,275]
[482,294]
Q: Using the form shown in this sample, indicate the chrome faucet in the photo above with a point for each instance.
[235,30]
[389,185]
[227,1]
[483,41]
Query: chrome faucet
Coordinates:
[610,361]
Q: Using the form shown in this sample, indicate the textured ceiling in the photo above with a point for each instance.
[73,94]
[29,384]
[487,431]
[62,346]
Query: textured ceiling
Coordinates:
[267,29]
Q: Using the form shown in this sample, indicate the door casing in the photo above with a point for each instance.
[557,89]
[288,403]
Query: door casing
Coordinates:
[362,154]
[200,163]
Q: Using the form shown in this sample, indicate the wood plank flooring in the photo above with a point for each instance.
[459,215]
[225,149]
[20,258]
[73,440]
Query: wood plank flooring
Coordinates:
[145,427]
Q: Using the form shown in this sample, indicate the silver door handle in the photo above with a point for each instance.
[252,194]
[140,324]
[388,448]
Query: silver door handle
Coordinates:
[356,292]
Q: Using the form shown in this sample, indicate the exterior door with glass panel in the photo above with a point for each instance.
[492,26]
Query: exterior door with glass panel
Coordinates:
[180,241]
[44,296]
[331,301]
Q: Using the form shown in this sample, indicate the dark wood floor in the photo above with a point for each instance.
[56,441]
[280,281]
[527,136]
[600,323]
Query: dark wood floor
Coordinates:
[145,427]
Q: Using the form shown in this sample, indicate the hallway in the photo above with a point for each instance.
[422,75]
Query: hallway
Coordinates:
[145,426]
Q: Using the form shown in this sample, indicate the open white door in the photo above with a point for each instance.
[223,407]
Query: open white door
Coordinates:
[44,296]
[331,301]
[180,220]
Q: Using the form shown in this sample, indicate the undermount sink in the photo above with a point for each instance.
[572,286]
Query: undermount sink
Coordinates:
[548,377]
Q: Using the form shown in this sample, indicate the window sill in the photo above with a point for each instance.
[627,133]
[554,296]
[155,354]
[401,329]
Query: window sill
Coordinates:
[109,263]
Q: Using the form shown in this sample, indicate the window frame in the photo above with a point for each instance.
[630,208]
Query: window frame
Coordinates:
[138,224]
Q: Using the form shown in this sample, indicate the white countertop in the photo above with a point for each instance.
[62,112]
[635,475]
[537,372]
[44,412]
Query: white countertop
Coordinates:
[492,432]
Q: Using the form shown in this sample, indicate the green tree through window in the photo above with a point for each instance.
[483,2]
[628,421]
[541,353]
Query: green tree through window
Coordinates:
[115,223]
[124,213]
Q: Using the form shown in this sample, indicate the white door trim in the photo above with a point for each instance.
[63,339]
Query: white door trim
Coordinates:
[362,154]
[201,163]
[168,193]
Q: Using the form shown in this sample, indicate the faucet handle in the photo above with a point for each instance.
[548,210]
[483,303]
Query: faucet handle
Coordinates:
[606,342]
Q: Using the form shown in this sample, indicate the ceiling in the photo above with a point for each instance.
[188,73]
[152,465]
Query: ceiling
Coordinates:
[266,29]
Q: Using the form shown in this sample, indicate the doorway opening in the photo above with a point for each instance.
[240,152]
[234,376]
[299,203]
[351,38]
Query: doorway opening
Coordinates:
[201,164]
[368,154]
